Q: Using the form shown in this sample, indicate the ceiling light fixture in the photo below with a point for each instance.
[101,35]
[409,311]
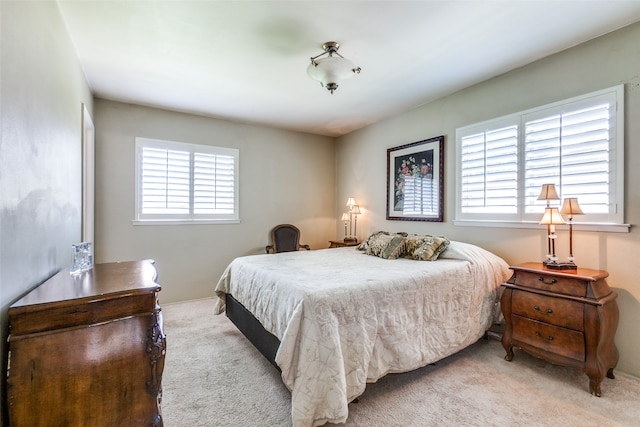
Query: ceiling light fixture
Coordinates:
[332,69]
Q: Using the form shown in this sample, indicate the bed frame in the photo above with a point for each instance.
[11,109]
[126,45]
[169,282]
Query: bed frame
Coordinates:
[263,340]
[268,344]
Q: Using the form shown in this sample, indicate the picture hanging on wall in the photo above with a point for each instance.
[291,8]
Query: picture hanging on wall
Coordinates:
[415,181]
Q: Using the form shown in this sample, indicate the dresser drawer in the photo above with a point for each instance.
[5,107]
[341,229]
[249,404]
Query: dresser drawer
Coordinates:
[557,311]
[552,339]
[562,285]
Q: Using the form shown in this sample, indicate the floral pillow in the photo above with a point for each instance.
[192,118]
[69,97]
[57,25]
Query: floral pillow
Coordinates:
[413,242]
[364,246]
[394,249]
[384,245]
[420,247]
[430,249]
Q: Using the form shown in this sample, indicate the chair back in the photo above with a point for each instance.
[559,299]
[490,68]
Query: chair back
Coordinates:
[285,238]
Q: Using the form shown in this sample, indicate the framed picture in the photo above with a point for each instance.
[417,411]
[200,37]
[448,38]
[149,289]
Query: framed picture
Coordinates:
[415,181]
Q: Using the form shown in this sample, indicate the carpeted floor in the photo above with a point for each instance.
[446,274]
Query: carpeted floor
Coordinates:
[214,377]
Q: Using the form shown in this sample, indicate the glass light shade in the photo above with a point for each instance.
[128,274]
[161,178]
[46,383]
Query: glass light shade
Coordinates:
[332,69]
[351,202]
[571,207]
[552,217]
[356,210]
[548,192]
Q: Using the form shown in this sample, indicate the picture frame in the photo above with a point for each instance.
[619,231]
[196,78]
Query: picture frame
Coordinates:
[415,181]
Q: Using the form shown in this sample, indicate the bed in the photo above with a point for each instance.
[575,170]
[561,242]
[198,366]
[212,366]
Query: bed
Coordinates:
[333,320]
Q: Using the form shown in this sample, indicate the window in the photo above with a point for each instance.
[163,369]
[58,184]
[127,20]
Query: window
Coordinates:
[179,182]
[576,144]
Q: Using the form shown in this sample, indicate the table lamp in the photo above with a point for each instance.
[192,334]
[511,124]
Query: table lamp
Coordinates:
[570,207]
[548,192]
[552,218]
[346,219]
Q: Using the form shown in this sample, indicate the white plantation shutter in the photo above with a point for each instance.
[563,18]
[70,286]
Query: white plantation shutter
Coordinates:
[489,171]
[214,184]
[570,149]
[575,144]
[165,181]
[185,182]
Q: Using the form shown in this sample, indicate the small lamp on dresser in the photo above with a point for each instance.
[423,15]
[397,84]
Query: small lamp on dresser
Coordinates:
[346,220]
[548,193]
[355,212]
[570,207]
[552,218]
[353,208]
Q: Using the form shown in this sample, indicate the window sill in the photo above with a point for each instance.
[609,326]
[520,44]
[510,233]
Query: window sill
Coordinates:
[184,221]
[610,228]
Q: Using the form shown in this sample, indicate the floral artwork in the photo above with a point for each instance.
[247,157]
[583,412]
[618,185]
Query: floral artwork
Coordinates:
[415,181]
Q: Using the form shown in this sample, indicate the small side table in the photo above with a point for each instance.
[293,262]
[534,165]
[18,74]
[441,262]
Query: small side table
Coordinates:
[568,317]
[342,244]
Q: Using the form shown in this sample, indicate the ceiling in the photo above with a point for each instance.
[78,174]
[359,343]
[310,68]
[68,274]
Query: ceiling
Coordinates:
[246,60]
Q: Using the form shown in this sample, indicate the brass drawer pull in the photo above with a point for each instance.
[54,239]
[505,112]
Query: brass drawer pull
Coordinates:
[550,282]
[549,338]
[537,308]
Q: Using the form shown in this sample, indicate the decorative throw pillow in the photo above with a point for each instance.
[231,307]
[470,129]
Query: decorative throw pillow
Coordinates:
[377,242]
[432,247]
[364,246]
[385,245]
[394,249]
[412,243]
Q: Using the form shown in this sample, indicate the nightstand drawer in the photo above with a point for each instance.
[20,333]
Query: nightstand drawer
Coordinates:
[553,339]
[557,311]
[561,285]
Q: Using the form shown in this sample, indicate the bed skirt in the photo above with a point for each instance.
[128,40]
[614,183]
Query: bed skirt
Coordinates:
[263,340]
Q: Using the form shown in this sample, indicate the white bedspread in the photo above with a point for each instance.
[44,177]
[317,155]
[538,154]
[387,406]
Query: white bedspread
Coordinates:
[345,318]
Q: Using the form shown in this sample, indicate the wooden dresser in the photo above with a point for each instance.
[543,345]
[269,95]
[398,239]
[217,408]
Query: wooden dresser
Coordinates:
[568,317]
[88,349]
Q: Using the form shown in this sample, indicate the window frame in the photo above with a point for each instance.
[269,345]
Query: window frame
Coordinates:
[191,217]
[613,221]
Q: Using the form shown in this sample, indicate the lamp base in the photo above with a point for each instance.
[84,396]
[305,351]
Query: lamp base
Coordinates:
[350,239]
[554,265]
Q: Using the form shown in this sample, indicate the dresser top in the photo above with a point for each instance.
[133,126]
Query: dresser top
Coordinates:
[579,273]
[103,280]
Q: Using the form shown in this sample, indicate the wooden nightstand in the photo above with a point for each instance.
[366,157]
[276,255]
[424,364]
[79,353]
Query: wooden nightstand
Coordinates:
[342,244]
[568,317]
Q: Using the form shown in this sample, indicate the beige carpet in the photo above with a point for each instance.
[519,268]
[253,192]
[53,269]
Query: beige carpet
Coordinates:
[214,377]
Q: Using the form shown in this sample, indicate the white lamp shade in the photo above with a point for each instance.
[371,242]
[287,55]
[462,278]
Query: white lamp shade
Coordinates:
[571,207]
[548,192]
[356,210]
[351,202]
[332,69]
[345,216]
[552,217]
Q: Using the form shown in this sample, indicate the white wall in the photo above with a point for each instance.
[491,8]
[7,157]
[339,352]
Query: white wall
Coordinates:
[607,61]
[285,177]
[42,93]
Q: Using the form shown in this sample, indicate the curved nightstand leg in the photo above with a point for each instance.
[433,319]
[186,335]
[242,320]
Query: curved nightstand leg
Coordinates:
[509,356]
[506,343]
[594,386]
[610,374]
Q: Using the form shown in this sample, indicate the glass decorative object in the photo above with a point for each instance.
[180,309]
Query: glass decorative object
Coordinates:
[82,257]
